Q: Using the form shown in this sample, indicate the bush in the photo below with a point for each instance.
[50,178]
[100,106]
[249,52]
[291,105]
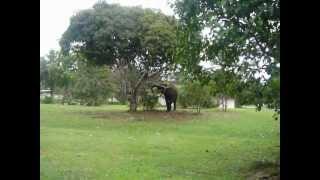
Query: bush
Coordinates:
[68,99]
[92,85]
[196,95]
[210,102]
[93,101]
[47,100]
[148,100]
[117,103]
[183,99]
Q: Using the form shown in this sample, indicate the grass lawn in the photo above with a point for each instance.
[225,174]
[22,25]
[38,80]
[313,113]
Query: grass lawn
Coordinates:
[107,142]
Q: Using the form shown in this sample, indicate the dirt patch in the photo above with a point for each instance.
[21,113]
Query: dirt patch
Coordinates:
[265,171]
[105,115]
[162,115]
[264,175]
[155,115]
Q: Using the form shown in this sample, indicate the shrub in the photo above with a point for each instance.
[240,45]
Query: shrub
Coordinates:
[196,95]
[148,100]
[117,103]
[92,85]
[47,100]
[210,102]
[183,99]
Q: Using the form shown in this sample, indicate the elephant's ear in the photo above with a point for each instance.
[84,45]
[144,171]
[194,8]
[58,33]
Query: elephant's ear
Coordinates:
[164,85]
[154,86]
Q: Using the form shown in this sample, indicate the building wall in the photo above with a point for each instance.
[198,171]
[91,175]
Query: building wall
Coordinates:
[113,99]
[162,101]
[230,104]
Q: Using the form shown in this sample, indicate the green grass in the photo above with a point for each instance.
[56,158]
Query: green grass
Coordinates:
[108,142]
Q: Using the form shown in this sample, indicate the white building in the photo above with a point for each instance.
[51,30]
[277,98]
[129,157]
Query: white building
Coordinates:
[113,100]
[44,93]
[230,102]
[162,101]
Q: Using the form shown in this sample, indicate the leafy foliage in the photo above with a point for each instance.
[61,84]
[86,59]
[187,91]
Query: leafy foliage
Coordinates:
[76,80]
[92,85]
[242,37]
[55,71]
[47,100]
[196,95]
[44,74]
[148,99]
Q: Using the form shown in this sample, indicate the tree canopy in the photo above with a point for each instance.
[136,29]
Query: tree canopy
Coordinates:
[115,35]
[238,36]
[126,38]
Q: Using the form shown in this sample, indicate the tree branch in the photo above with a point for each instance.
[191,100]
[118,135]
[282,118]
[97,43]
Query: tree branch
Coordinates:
[154,74]
[145,74]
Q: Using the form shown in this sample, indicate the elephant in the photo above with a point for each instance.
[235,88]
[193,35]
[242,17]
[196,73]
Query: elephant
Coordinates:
[170,95]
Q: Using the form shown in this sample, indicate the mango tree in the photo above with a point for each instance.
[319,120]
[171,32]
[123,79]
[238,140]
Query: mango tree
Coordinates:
[130,39]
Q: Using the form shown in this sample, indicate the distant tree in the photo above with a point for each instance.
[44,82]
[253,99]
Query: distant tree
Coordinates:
[44,74]
[121,86]
[54,72]
[74,79]
[92,84]
[226,84]
[67,66]
[125,38]
[194,94]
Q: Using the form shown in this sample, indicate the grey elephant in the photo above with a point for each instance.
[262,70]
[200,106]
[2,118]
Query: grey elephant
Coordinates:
[170,95]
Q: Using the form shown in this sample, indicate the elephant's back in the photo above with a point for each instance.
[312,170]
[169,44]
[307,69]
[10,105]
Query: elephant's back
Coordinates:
[172,92]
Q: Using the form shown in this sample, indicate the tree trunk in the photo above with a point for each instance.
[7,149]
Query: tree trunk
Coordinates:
[224,104]
[134,91]
[123,91]
[133,102]
[51,92]
[64,98]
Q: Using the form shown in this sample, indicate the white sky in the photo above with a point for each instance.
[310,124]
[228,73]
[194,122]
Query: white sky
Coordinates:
[55,15]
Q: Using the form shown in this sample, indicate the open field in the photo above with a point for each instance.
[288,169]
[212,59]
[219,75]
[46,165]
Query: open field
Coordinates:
[107,142]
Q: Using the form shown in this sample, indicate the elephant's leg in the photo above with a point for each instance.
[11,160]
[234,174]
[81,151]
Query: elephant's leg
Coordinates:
[174,105]
[167,104]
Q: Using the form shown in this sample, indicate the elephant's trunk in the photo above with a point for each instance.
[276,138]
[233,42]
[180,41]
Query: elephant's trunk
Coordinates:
[158,86]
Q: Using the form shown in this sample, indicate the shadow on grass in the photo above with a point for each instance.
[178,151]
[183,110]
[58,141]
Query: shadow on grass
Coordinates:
[154,115]
[264,170]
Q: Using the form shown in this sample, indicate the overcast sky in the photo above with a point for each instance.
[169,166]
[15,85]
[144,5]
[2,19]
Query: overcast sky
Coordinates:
[55,16]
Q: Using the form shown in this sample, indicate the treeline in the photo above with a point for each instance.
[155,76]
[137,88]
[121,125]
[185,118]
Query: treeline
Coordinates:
[75,81]
[72,80]
[114,51]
